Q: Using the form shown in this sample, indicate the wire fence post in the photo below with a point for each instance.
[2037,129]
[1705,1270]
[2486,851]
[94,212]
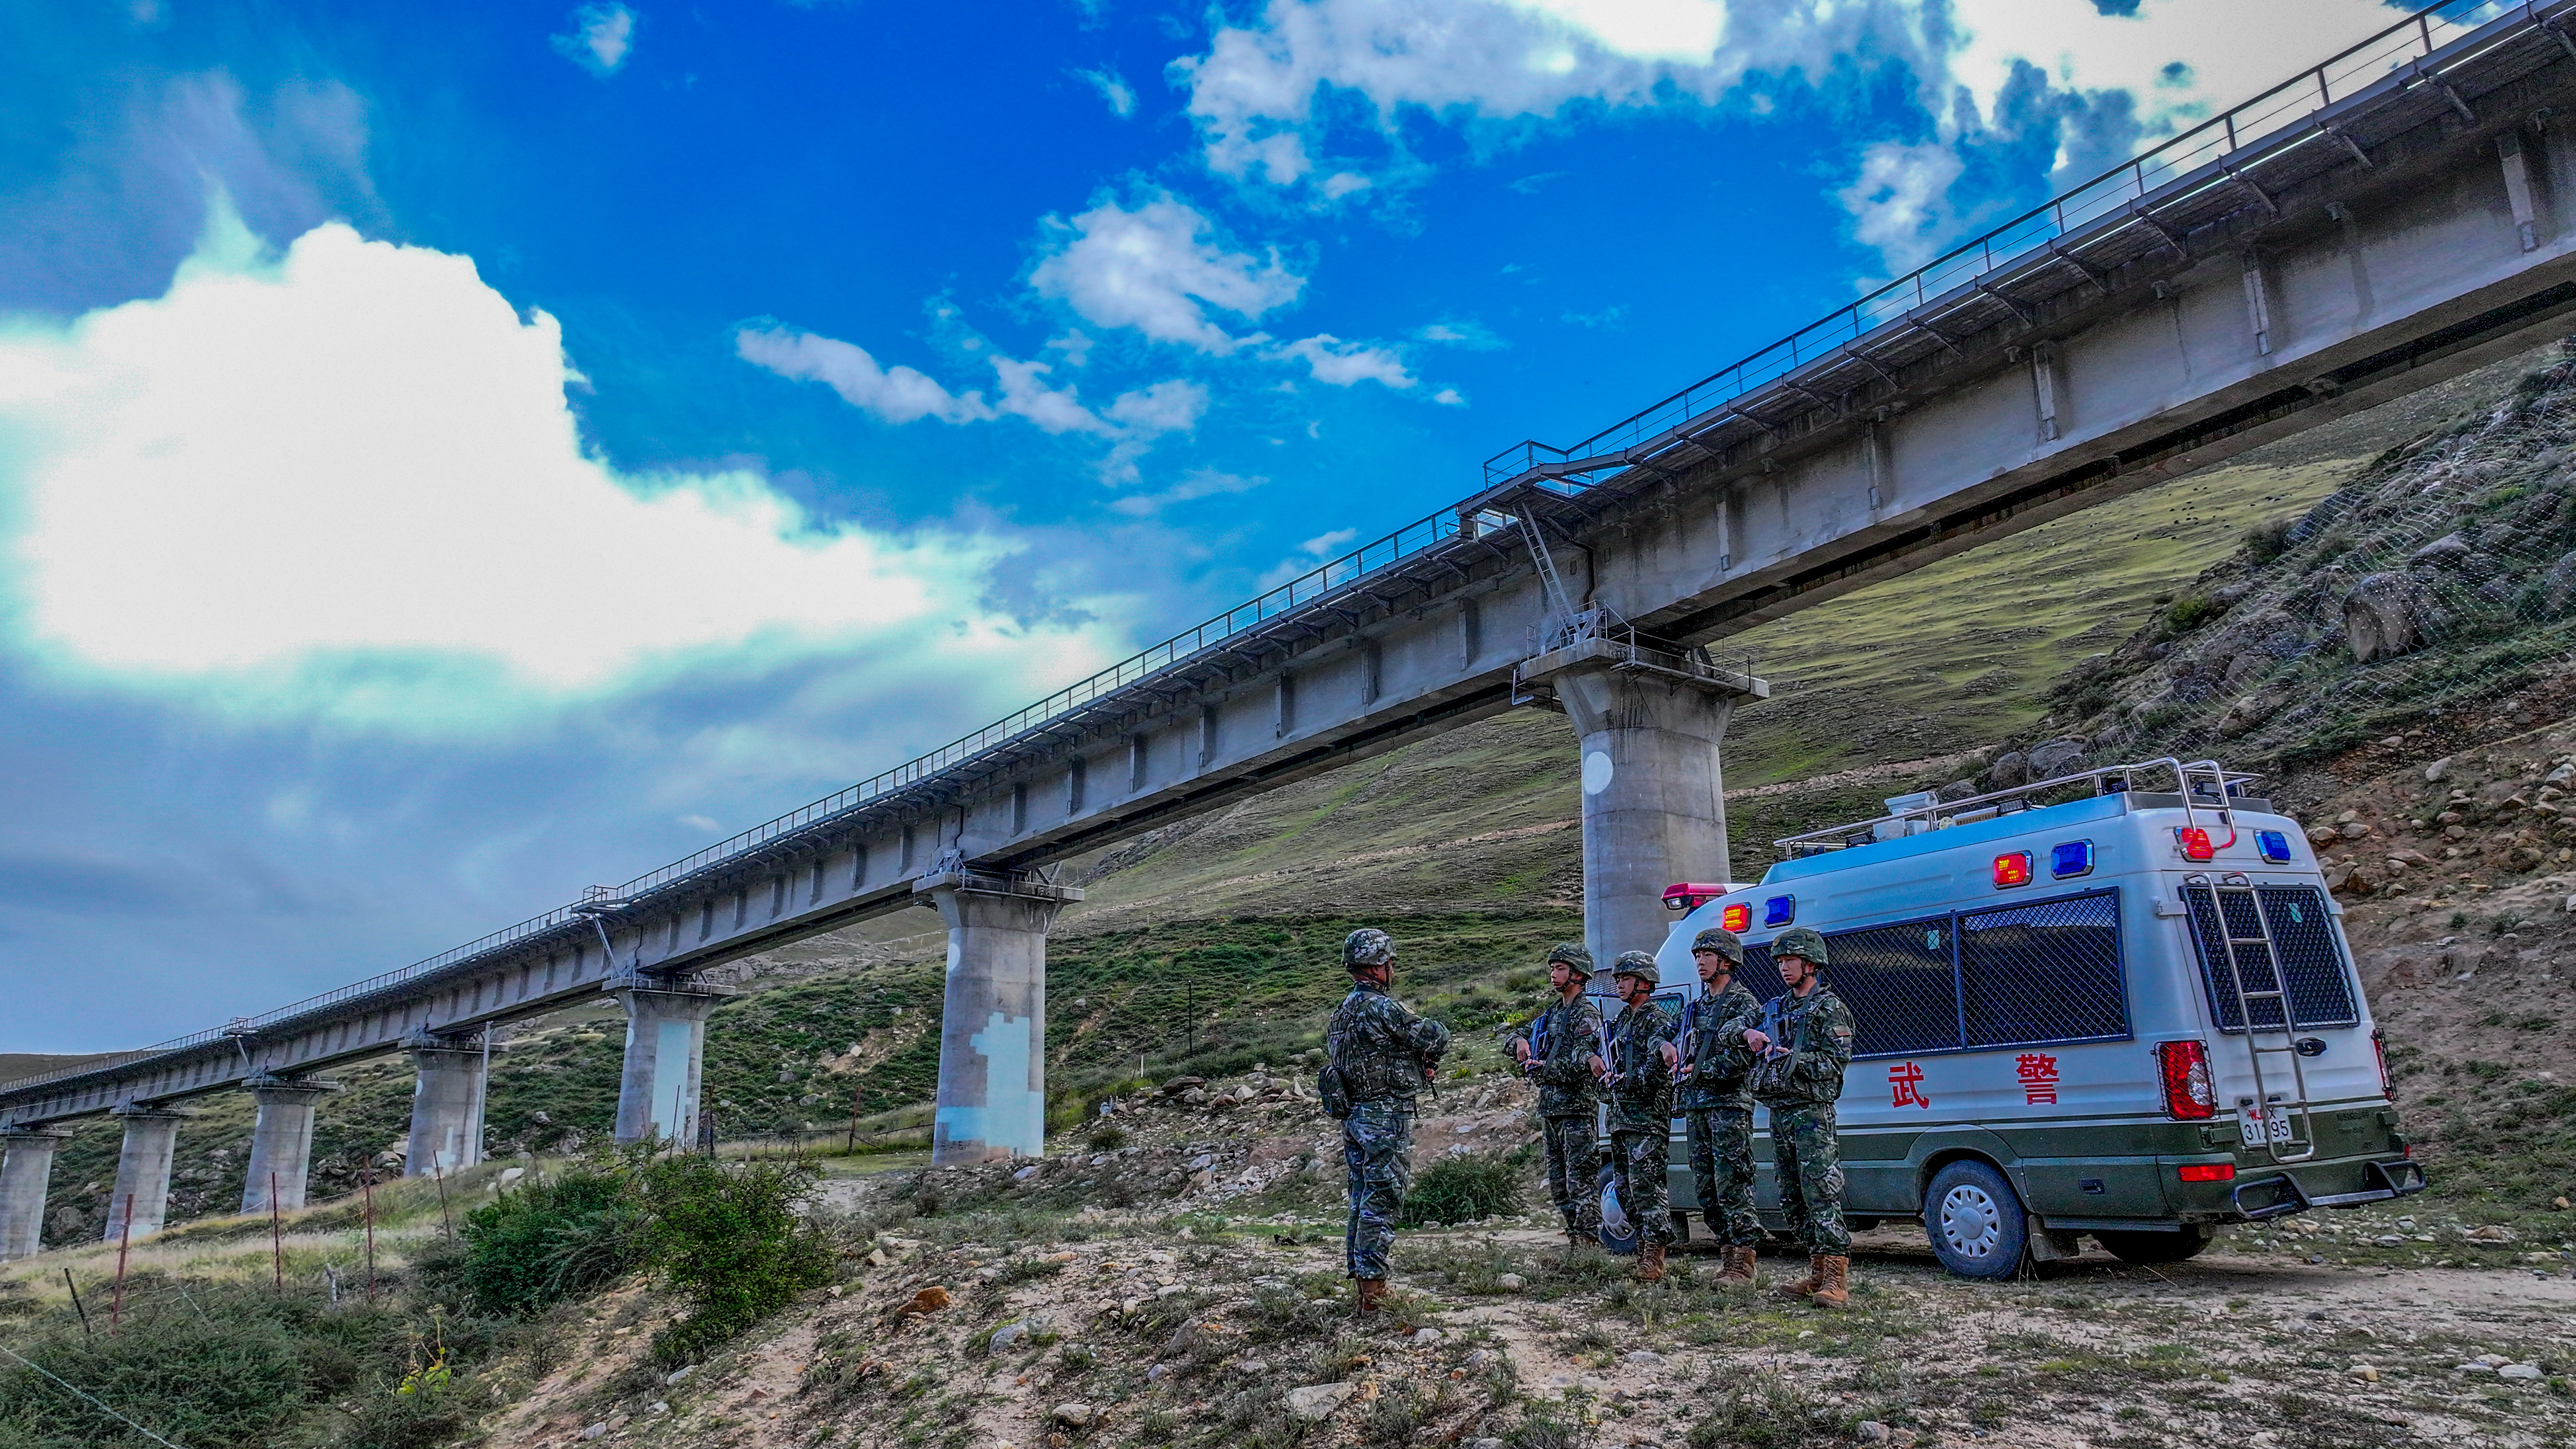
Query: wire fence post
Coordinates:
[77,1306]
[276,1236]
[367,1186]
[438,1174]
[124,1239]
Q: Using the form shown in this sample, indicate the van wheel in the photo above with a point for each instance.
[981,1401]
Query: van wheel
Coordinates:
[2154,1247]
[1622,1240]
[1975,1221]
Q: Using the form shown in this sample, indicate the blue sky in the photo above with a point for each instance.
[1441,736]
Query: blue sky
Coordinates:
[448,460]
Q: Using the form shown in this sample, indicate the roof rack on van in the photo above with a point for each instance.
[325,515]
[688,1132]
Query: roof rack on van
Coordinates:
[2201,784]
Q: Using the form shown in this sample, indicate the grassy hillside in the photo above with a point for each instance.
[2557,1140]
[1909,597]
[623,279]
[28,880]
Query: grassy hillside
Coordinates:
[1207,945]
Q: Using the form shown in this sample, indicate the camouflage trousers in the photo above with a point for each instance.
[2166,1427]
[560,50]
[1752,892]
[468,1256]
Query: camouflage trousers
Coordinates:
[1637,1161]
[1574,1172]
[1807,1158]
[1721,1161]
[1377,1157]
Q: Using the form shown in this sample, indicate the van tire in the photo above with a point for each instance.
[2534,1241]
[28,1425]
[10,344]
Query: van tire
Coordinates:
[1975,1221]
[1614,1242]
[2150,1247]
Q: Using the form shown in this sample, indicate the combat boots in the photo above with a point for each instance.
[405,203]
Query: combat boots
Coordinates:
[1372,1293]
[1807,1287]
[1835,1289]
[1735,1267]
[1576,1241]
[1650,1262]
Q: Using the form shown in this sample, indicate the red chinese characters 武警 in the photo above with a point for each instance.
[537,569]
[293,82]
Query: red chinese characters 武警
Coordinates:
[1905,1086]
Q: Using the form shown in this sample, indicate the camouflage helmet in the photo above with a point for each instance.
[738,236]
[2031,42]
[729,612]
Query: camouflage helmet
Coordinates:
[1637,963]
[1725,943]
[1805,944]
[1367,946]
[1572,954]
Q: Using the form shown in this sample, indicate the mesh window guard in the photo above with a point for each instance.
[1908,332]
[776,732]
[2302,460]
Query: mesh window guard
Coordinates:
[2047,971]
[2320,986]
[1901,987]
[2021,975]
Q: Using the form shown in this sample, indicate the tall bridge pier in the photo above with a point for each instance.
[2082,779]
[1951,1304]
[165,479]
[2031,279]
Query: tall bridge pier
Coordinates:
[992,1024]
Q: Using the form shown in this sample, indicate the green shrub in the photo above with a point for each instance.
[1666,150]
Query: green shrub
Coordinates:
[565,1236]
[2265,542]
[1461,1189]
[730,1237]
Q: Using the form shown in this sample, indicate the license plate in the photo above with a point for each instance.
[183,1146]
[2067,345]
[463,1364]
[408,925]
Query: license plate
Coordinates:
[2251,1122]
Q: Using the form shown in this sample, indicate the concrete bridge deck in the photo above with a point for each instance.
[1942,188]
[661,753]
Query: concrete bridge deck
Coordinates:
[2392,217]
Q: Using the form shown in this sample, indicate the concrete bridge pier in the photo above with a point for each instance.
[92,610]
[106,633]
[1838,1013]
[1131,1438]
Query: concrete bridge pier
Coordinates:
[992,1024]
[26,1166]
[666,1046]
[446,1104]
[281,1140]
[143,1168]
[1654,796]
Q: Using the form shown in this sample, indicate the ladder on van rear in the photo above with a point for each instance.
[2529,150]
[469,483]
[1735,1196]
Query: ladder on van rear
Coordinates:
[2267,1116]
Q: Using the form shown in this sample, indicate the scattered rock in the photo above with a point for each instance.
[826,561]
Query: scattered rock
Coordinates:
[2057,757]
[1479,1358]
[1178,1085]
[928,1300]
[1317,1402]
[1252,1367]
[2438,771]
[2519,1371]
[1870,1431]
[1644,1358]
[2364,1372]
[1075,1415]
[1511,1282]
[1005,1338]
[657,1407]
[1158,1373]
[677,1374]
[1425,1337]
[1025,1173]
[594,1431]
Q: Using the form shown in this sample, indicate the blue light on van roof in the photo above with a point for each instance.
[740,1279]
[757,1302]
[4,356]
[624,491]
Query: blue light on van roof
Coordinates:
[2274,845]
[1779,910]
[2069,858]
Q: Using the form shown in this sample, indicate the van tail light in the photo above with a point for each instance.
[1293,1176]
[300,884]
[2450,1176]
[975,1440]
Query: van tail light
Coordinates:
[2206,1172]
[2184,1068]
[2379,1049]
[1690,895]
[2195,843]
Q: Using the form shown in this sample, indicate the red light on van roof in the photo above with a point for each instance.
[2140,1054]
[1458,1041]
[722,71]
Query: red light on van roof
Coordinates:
[1690,895]
[2206,1172]
[2012,868]
[1737,917]
[2195,843]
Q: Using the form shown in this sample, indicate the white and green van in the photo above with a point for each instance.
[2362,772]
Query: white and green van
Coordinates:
[2053,1003]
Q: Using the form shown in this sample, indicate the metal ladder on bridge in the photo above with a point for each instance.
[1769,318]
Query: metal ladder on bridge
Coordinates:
[2266,1117]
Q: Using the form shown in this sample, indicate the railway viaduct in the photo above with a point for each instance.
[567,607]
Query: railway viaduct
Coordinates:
[2396,215]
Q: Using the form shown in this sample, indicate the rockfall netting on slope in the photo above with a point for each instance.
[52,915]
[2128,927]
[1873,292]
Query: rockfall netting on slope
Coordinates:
[2440,580]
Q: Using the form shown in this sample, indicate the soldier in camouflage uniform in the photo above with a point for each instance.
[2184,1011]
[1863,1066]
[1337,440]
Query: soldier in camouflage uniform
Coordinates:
[1639,1080]
[1801,1044]
[1710,1093]
[1380,1055]
[1556,1053]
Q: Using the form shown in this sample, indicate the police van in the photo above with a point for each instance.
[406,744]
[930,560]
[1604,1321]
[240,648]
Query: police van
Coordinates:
[2129,1014]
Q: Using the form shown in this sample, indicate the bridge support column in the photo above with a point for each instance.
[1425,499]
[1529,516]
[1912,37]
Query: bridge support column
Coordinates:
[281,1140]
[666,1044]
[992,1024]
[143,1168]
[446,1104]
[26,1166]
[1654,800]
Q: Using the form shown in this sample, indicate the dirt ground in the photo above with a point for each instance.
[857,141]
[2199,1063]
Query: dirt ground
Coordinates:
[1184,1287]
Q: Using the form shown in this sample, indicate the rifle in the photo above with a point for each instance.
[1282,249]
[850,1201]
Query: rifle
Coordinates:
[1685,1044]
[1610,1073]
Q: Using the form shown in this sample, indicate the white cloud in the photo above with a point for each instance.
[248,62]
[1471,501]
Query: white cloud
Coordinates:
[1113,88]
[1312,552]
[1346,364]
[1057,410]
[896,394]
[1450,397]
[601,39]
[1157,269]
[1490,67]
[705,823]
[1198,483]
[344,484]
[1895,202]
[1174,406]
